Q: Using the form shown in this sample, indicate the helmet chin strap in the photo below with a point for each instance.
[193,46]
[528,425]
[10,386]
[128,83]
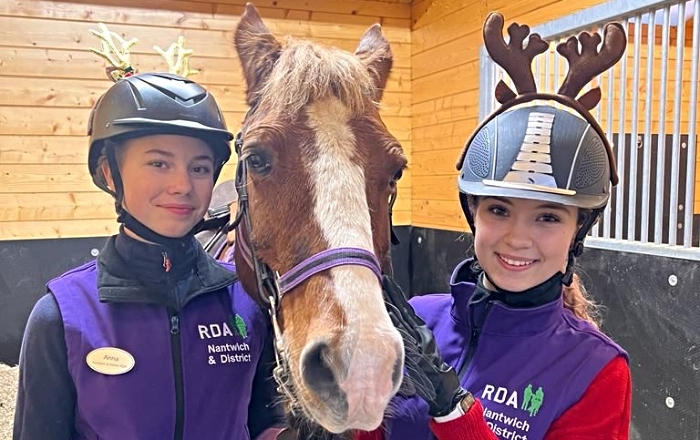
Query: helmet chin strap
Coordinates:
[131,223]
[577,246]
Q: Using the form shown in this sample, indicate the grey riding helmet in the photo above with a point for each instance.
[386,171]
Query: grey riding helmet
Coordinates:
[538,152]
[156,103]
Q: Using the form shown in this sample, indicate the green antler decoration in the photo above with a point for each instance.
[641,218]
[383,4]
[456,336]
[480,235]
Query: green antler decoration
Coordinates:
[115,50]
[178,58]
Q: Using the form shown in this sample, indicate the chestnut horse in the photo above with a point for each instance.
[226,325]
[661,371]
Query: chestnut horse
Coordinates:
[317,169]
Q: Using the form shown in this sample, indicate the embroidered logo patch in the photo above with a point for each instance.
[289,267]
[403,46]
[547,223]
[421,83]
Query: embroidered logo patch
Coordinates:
[238,325]
[227,343]
[520,407]
[532,401]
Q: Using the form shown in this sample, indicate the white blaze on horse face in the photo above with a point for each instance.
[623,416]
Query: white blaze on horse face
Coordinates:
[372,347]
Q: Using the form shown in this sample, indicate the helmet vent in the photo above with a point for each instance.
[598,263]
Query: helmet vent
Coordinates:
[592,163]
[138,99]
[479,154]
[182,91]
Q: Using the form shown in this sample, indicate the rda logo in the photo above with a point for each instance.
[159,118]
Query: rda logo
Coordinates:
[238,324]
[235,326]
[531,401]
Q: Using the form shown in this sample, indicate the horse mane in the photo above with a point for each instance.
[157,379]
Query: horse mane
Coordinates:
[306,72]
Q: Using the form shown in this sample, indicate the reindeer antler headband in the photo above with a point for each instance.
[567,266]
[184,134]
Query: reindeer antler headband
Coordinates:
[584,65]
[515,57]
[178,58]
[116,50]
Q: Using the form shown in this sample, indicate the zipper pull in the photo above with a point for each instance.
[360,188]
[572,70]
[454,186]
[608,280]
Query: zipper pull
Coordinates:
[174,325]
[166,262]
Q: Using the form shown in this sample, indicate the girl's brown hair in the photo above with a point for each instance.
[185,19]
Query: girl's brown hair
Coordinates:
[577,299]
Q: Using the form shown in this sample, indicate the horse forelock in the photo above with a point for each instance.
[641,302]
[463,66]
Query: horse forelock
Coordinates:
[307,72]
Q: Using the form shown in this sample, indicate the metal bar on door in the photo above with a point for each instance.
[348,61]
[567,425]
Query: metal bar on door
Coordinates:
[621,145]
[632,185]
[693,123]
[676,142]
[646,160]
[661,138]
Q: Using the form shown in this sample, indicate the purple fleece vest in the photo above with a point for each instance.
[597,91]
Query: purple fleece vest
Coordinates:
[218,362]
[529,366]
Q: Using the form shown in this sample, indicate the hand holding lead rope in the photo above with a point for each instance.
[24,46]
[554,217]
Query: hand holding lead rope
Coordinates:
[438,383]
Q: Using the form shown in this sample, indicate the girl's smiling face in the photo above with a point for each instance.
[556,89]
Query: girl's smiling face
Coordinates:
[521,243]
[167,181]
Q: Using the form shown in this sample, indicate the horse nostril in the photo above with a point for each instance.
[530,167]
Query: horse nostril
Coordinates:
[317,372]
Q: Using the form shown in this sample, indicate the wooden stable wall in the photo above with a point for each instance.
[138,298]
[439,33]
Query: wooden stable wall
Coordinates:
[49,80]
[446,40]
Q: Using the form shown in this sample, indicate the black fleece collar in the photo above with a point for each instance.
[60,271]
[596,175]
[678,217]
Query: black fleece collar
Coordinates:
[134,271]
[543,293]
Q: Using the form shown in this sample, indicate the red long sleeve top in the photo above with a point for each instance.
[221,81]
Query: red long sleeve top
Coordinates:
[603,413]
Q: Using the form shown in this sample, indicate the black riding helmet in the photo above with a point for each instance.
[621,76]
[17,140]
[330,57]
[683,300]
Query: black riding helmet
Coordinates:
[149,104]
[156,103]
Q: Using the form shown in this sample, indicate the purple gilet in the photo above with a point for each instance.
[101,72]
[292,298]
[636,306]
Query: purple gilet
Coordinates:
[194,365]
[527,365]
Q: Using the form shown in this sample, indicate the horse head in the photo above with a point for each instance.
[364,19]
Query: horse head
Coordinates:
[317,169]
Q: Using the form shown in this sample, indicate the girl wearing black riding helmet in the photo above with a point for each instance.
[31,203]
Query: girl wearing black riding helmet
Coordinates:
[152,339]
[514,351]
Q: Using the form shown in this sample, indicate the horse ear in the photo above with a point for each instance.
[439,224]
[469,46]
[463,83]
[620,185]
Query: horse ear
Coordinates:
[375,53]
[257,49]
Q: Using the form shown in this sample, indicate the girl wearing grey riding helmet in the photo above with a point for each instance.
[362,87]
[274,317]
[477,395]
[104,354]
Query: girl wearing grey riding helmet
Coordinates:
[153,338]
[514,351]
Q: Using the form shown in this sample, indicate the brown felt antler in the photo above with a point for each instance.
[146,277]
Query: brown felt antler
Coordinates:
[589,62]
[515,59]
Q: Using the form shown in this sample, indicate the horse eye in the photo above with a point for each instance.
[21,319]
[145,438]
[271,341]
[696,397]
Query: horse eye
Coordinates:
[258,163]
[395,179]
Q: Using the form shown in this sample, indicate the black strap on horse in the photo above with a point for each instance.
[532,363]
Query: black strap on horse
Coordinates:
[213,232]
[392,199]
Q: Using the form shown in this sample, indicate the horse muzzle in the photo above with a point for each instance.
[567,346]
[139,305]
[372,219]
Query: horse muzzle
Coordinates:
[352,378]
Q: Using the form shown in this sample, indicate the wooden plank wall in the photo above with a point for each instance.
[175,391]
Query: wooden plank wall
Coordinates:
[49,81]
[446,40]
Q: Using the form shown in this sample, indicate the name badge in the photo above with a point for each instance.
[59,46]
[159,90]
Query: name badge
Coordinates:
[110,360]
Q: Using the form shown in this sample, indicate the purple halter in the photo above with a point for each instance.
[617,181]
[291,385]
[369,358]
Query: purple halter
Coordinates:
[317,263]
[325,260]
